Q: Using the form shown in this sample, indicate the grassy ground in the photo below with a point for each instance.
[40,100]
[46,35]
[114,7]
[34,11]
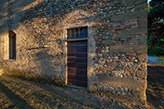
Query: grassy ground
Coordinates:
[19,94]
[23,94]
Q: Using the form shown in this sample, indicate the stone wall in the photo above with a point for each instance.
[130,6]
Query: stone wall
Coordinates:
[117,51]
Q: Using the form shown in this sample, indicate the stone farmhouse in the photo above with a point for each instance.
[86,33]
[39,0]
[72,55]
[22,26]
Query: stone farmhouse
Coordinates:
[99,45]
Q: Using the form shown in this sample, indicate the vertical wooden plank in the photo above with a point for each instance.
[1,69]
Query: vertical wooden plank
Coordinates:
[78,76]
[78,32]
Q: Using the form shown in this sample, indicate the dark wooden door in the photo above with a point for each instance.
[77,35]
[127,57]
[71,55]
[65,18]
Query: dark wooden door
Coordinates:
[77,63]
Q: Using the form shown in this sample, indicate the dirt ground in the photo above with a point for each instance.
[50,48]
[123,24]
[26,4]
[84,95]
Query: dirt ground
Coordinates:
[22,94]
[155,88]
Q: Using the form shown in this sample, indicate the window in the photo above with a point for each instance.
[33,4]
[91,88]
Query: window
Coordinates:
[12,46]
[77,33]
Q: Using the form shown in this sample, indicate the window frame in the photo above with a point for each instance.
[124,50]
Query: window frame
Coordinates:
[75,33]
[6,45]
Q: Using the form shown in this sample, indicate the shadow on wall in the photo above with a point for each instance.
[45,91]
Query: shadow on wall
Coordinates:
[44,59]
[12,10]
[10,15]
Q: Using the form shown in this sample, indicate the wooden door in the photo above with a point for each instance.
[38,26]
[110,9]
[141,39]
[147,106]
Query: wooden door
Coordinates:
[77,63]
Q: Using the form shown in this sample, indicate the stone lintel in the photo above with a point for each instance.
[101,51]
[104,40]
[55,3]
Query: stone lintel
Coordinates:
[128,48]
[123,82]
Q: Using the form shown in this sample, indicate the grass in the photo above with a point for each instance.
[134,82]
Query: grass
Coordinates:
[33,77]
[20,94]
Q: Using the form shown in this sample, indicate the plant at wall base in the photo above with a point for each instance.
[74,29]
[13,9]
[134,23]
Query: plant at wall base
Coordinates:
[160,59]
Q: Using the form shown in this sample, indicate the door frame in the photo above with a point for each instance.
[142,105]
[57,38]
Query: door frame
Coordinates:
[90,53]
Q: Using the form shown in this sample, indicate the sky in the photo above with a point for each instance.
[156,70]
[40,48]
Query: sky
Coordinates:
[148,1]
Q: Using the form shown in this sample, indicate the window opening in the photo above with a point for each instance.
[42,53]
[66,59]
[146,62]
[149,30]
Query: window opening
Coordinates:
[80,32]
[12,46]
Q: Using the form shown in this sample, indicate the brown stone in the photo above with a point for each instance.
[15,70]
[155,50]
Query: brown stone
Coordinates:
[131,31]
[129,2]
[142,58]
[141,74]
[109,42]
[143,39]
[141,6]
[128,16]
[128,48]
[139,93]
[142,22]
[141,1]
[123,82]
[1,71]
[133,2]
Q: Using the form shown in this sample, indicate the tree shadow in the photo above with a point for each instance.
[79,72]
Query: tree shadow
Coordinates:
[18,102]
[80,97]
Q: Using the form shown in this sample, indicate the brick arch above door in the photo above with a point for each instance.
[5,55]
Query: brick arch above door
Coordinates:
[87,15]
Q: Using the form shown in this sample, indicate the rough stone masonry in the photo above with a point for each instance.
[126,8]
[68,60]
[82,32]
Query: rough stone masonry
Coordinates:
[117,34]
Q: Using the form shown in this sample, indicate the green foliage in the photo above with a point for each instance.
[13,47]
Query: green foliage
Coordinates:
[155,27]
[157,48]
[160,59]
[149,7]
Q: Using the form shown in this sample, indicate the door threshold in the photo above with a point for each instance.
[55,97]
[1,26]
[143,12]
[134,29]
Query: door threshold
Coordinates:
[76,87]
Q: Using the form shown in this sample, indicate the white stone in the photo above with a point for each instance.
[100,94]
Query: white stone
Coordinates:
[100,55]
[120,76]
[100,71]
[96,65]
[102,51]
[126,89]
[107,51]
[123,93]
[99,61]
[123,55]
[133,57]
[105,65]
[116,57]
[134,78]
[132,10]
[127,60]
